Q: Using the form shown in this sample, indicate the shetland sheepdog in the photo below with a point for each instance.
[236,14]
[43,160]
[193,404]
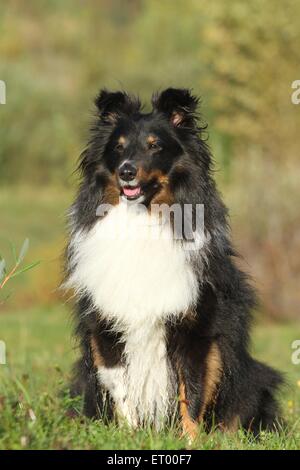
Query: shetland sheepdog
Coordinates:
[163,312]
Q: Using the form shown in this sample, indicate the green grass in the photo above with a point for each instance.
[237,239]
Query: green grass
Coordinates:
[35,406]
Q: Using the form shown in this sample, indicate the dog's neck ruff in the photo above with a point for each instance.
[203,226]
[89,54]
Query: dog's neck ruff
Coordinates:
[132,268]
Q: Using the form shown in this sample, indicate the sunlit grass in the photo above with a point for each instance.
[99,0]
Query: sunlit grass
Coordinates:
[35,405]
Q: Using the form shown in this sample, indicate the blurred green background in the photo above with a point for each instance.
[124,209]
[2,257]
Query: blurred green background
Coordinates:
[241,57]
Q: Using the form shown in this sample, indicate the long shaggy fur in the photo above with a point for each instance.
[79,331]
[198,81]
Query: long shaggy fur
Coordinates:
[164,330]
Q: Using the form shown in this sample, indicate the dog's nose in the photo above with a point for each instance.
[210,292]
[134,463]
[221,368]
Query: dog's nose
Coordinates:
[127,171]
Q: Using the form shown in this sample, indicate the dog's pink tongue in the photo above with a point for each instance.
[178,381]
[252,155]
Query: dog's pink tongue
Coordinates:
[131,192]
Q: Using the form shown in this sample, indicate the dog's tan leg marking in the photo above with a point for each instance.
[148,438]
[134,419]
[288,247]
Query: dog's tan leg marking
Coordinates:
[189,426]
[98,360]
[211,381]
[212,378]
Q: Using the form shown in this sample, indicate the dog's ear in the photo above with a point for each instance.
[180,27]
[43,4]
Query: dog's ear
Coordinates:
[113,104]
[178,104]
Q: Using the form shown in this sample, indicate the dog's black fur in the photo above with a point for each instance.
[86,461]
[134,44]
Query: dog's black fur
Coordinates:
[243,392]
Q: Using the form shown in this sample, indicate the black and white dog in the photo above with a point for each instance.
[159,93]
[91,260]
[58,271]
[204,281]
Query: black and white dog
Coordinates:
[163,319]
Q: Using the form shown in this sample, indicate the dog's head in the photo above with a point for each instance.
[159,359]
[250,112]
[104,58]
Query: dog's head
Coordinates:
[144,157]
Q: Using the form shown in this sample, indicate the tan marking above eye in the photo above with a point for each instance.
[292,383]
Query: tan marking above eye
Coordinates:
[122,140]
[153,142]
[151,139]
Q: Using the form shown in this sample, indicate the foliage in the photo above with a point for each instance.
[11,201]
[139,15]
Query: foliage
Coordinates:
[241,56]
[6,274]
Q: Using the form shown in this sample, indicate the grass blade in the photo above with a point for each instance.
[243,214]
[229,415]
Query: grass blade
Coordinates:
[23,250]
[26,268]
[2,268]
[13,250]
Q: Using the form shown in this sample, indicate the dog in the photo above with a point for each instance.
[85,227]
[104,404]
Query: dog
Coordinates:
[163,314]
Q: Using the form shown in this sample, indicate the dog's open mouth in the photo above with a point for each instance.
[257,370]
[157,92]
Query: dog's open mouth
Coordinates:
[132,192]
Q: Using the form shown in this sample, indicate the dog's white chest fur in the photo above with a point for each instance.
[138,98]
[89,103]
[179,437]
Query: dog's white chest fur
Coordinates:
[138,277]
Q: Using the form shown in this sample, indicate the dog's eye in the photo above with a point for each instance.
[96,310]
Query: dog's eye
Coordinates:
[154,146]
[119,147]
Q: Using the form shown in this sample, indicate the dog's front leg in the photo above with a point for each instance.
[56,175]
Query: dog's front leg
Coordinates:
[111,375]
[198,376]
[113,379]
